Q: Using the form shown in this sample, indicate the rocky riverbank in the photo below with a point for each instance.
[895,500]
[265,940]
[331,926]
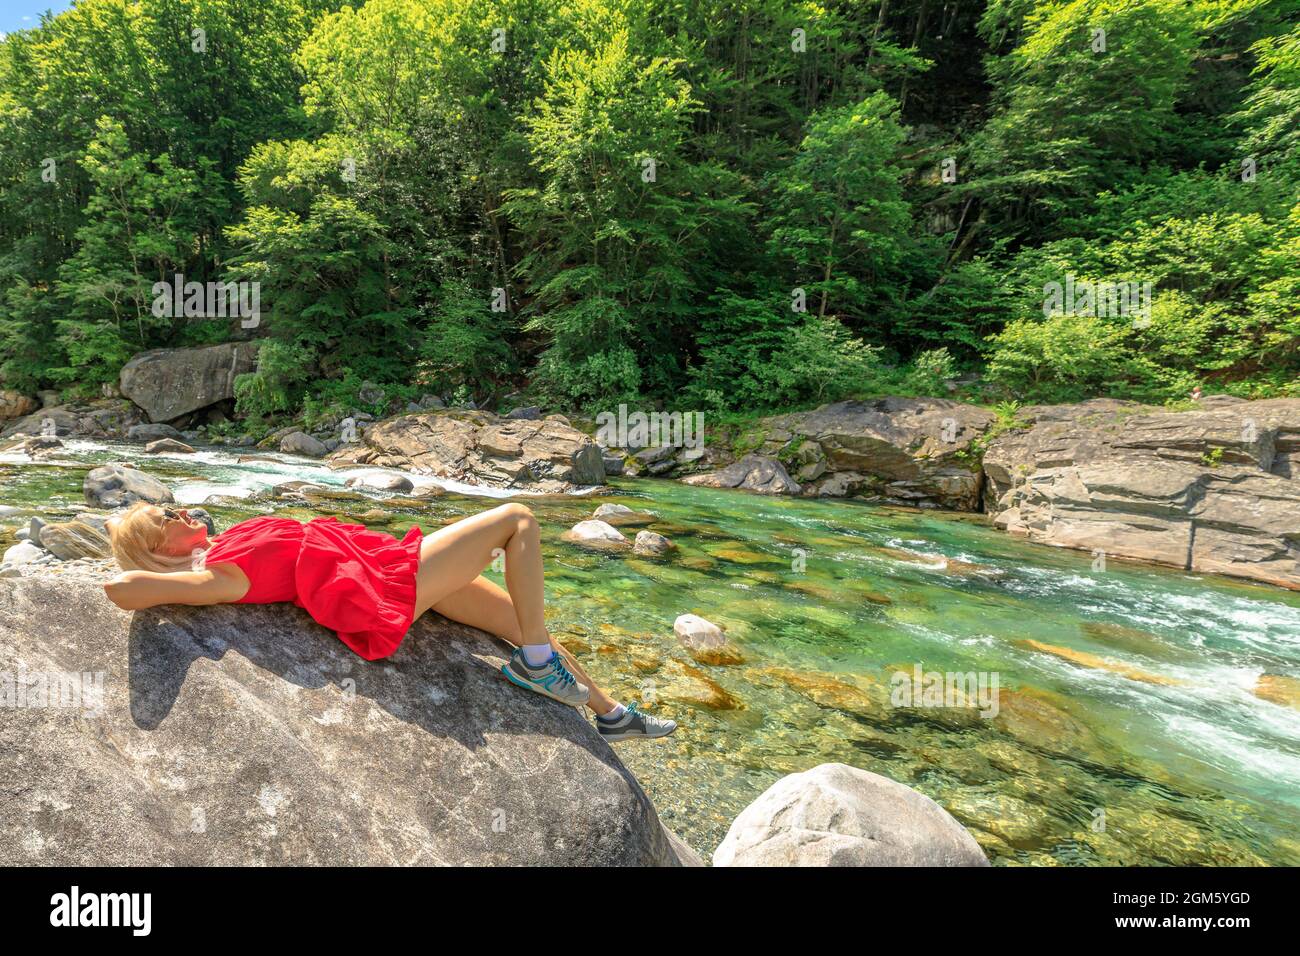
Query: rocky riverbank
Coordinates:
[1214,488]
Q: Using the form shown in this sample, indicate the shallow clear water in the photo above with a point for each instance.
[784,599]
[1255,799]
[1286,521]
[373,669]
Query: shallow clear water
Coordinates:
[1153,747]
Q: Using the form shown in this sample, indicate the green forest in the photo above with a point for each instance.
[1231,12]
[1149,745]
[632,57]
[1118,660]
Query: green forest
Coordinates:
[731,205]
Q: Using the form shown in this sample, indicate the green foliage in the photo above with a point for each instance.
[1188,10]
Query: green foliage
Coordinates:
[647,187]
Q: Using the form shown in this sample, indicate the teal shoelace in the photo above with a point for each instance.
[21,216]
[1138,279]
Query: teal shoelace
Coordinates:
[558,666]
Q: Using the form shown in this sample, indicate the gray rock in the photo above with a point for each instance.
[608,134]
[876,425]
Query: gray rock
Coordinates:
[596,534]
[23,553]
[651,543]
[296,487]
[613,464]
[34,529]
[300,443]
[168,383]
[115,485]
[250,735]
[1212,489]
[528,413]
[386,481]
[202,515]
[163,445]
[697,633]
[100,521]
[836,815]
[152,431]
[69,540]
[752,473]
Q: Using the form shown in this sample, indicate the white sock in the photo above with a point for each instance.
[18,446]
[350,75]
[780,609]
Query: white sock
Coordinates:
[618,711]
[535,655]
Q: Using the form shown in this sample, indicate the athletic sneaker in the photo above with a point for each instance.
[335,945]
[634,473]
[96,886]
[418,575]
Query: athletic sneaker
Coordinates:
[551,679]
[633,723]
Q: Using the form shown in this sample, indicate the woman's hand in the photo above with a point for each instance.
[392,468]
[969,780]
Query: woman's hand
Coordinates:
[136,590]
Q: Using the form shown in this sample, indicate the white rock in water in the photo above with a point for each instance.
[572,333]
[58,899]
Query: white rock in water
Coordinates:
[696,632]
[596,534]
[24,553]
[605,511]
[384,481]
[836,815]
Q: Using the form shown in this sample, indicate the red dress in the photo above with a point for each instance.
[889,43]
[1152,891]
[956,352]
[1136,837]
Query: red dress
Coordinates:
[358,583]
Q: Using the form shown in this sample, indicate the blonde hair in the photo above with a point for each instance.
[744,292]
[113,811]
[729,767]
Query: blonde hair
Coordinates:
[135,536]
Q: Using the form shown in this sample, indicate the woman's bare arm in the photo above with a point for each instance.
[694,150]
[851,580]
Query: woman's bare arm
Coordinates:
[135,590]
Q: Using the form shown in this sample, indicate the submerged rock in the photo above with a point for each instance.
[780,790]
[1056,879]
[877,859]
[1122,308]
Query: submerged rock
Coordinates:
[705,641]
[622,516]
[1279,689]
[837,815]
[248,734]
[651,543]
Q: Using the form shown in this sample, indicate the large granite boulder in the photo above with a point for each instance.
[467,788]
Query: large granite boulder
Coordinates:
[836,815]
[1214,489]
[168,383]
[248,734]
[912,451]
[480,448]
[111,418]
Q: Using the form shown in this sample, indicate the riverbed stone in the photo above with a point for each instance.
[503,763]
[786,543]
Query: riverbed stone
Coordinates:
[652,544]
[116,485]
[300,443]
[69,540]
[165,445]
[837,815]
[385,481]
[24,553]
[260,723]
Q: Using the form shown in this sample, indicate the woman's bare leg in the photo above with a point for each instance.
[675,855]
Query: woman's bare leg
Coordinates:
[484,605]
[454,556]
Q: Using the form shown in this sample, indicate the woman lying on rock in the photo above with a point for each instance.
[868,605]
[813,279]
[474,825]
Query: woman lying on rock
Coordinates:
[368,587]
